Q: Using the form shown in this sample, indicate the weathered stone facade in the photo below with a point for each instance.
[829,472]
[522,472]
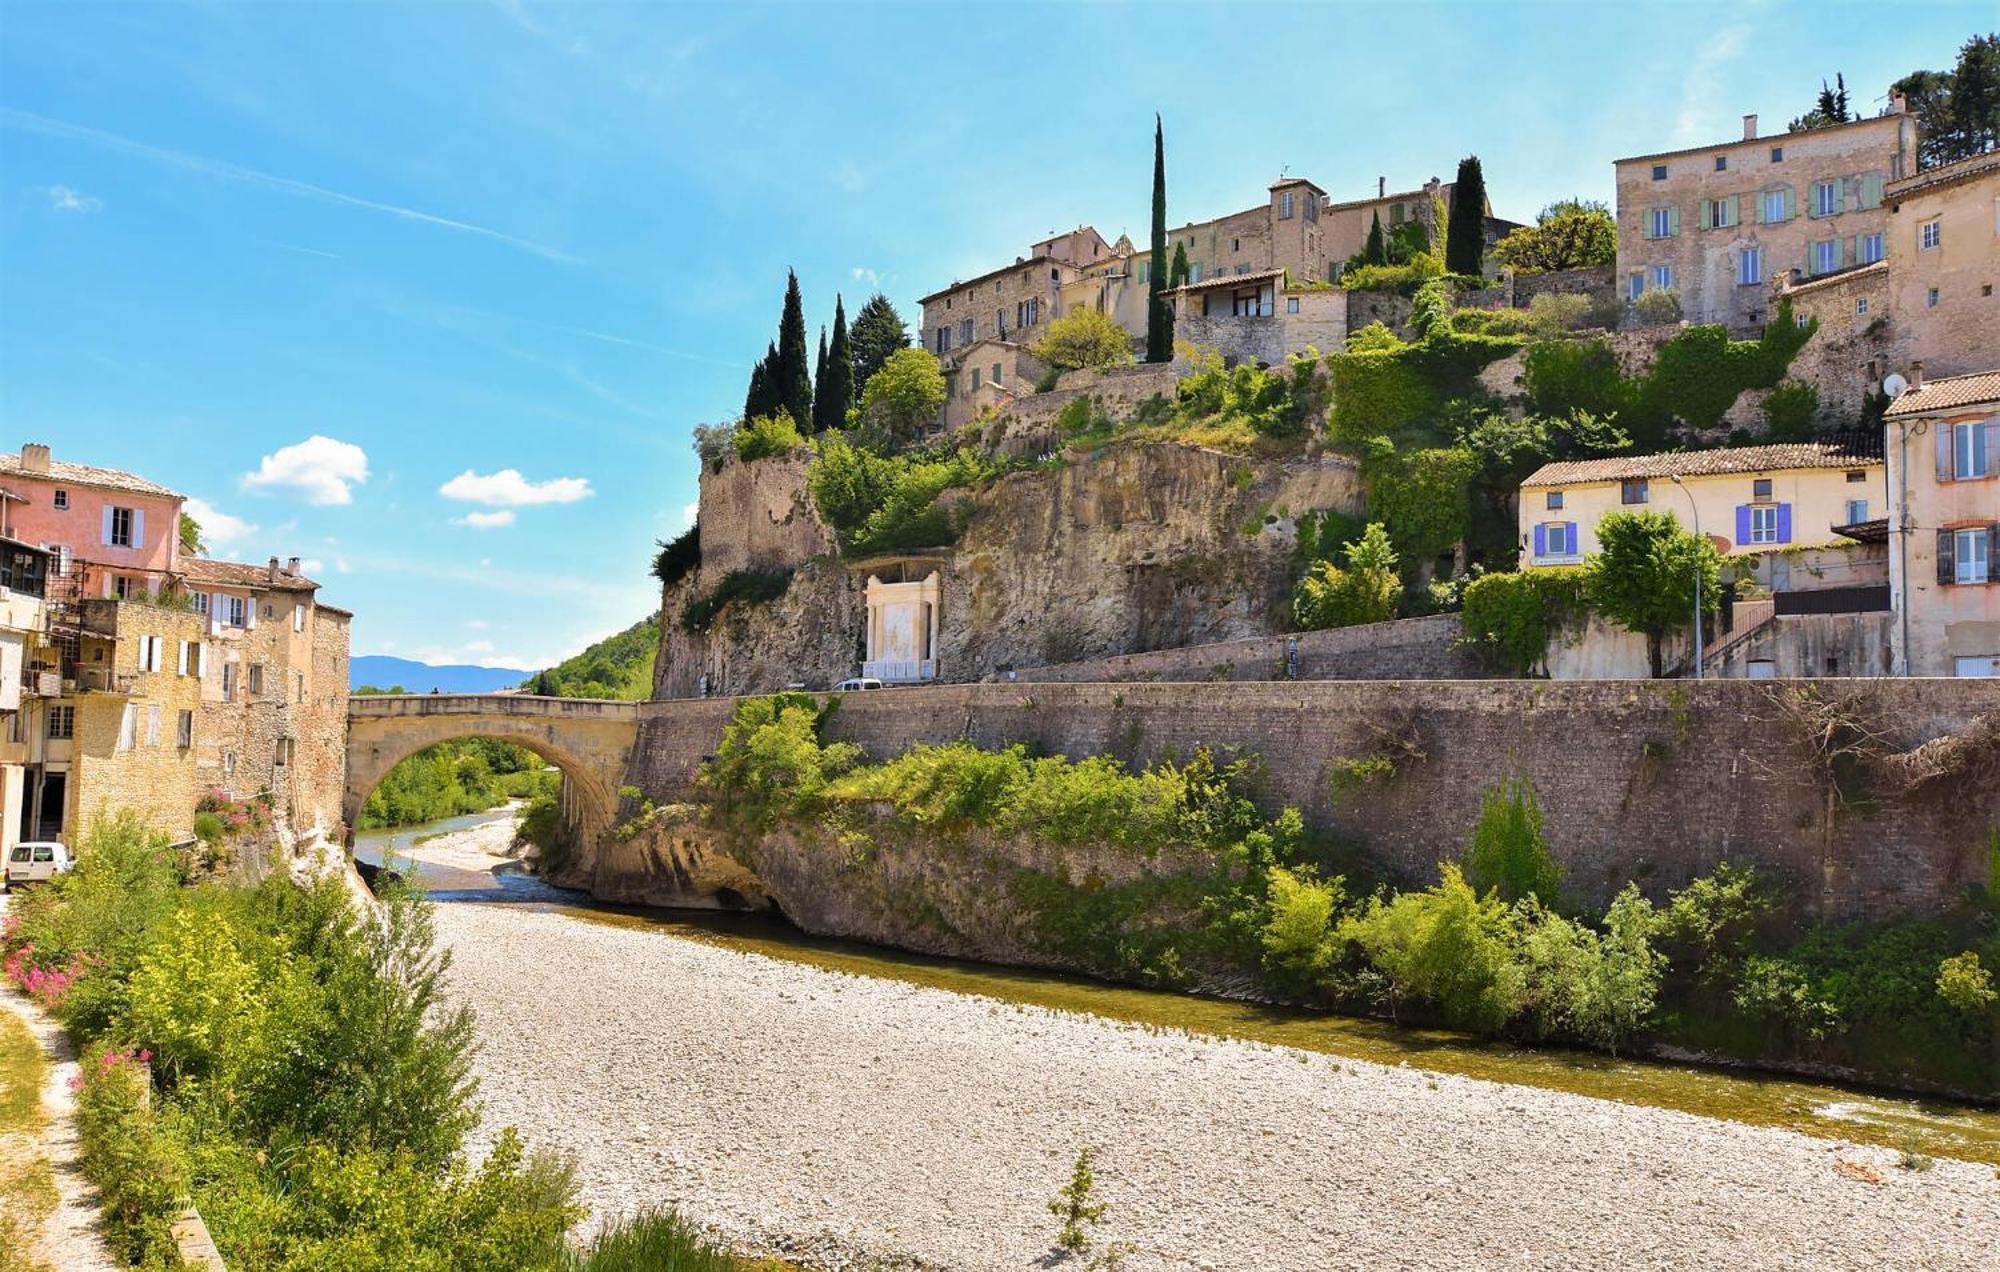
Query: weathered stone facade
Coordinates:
[1401,649]
[1277,322]
[758,516]
[126,755]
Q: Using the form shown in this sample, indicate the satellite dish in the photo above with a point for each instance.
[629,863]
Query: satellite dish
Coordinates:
[1894,384]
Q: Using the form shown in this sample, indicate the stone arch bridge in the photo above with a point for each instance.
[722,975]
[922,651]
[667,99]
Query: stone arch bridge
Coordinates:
[590,740]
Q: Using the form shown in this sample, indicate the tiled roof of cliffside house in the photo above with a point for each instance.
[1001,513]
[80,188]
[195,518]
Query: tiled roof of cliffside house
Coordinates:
[244,575]
[1942,175]
[1766,139]
[1847,274]
[1703,463]
[1943,394]
[1232,280]
[1020,262]
[1391,197]
[85,475]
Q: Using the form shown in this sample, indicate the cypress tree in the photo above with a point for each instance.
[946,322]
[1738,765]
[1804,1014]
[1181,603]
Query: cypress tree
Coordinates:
[819,383]
[1465,236]
[878,331]
[1376,251]
[763,398]
[1159,317]
[837,392]
[1177,276]
[791,378]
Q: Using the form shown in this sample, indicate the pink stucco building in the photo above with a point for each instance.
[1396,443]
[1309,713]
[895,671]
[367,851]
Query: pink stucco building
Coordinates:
[119,531]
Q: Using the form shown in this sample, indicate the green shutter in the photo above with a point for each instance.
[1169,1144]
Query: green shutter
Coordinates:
[1708,214]
[1871,189]
[1791,203]
[1735,209]
[1757,206]
[1673,221]
[1840,195]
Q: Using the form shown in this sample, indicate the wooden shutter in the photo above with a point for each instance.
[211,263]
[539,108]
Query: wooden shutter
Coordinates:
[1541,539]
[138,528]
[1947,573]
[182,667]
[1742,524]
[1989,434]
[1735,209]
[1784,523]
[1708,214]
[106,537]
[1943,431]
[1673,221]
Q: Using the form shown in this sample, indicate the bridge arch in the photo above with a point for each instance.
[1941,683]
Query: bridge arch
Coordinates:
[590,740]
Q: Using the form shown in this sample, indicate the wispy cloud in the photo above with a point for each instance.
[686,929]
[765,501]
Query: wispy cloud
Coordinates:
[227,171]
[71,201]
[689,513]
[319,470]
[1701,89]
[486,520]
[218,528]
[307,251]
[509,489]
[862,274]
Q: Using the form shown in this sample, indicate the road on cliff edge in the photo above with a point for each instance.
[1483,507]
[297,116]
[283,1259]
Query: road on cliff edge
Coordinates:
[857,1123]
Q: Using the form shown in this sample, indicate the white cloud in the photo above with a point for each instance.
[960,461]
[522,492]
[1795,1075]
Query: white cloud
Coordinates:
[218,528]
[319,470]
[689,513]
[862,274]
[312,565]
[64,198]
[1701,89]
[340,566]
[486,520]
[508,489]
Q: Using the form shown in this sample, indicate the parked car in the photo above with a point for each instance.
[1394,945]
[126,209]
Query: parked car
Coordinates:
[856,683]
[37,861]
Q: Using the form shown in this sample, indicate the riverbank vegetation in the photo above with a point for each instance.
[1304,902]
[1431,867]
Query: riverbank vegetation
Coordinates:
[619,666]
[468,775]
[1214,893]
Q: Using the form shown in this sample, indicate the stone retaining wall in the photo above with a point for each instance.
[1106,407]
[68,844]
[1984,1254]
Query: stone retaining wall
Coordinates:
[1405,649]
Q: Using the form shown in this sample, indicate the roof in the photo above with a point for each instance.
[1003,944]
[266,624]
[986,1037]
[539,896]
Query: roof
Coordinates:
[86,475]
[1233,280]
[25,546]
[1392,197]
[334,610]
[1941,395]
[1703,463]
[1876,531]
[1844,275]
[239,574]
[1765,140]
[1282,182]
[1020,263]
[1943,175]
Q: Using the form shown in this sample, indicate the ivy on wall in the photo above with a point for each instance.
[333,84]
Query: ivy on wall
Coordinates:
[1509,618]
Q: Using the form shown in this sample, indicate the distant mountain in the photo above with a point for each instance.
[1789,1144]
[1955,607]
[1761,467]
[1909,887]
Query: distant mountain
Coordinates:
[380,671]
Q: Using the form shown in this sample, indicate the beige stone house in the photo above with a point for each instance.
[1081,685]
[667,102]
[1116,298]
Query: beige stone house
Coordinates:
[1262,317]
[988,375]
[1943,450]
[1347,224]
[1720,224]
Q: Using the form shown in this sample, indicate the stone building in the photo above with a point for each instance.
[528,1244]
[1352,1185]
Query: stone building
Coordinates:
[1347,224]
[1943,450]
[24,570]
[1719,224]
[1014,300]
[988,375]
[155,676]
[1262,317]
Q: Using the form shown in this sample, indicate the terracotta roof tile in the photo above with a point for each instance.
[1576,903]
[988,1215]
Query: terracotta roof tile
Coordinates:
[239,574]
[1233,280]
[1704,463]
[85,475]
[1952,390]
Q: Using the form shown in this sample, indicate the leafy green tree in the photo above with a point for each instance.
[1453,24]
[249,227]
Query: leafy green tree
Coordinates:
[1298,935]
[819,383]
[790,375]
[1449,946]
[1159,315]
[1364,592]
[1465,249]
[1084,338]
[833,397]
[878,331]
[1423,499]
[905,396]
[1957,111]
[1508,854]
[1567,234]
[767,435]
[1965,984]
[1643,576]
[1376,250]
[191,537]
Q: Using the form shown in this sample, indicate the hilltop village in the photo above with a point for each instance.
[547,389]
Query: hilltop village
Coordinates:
[1396,436]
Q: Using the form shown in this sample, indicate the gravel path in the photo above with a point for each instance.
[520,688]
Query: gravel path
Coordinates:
[852,1122]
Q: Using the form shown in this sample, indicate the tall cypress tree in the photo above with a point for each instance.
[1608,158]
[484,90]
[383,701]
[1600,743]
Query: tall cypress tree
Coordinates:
[1465,235]
[763,399]
[878,331]
[1159,317]
[791,377]
[819,383]
[1177,276]
[836,394]
[1376,250]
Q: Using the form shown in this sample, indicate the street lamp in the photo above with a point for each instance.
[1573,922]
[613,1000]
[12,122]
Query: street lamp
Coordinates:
[1694,509]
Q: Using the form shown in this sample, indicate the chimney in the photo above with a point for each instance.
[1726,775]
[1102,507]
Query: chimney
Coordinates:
[1749,128]
[1898,104]
[274,569]
[1381,187]
[35,457]
[291,565]
[1916,375]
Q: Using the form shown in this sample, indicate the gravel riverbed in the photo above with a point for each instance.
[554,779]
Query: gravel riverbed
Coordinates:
[856,1123]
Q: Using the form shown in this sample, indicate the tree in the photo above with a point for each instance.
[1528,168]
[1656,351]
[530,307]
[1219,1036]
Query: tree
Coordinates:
[1084,338]
[191,537]
[1364,592]
[1643,576]
[791,377]
[1465,249]
[1178,275]
[819,380]
[1376,250]
[878,331]
[1159,316]
[904,397]
[763,397]
[1568,234]
[834,397]
[1957,111]
[1508,852]
[1830,109]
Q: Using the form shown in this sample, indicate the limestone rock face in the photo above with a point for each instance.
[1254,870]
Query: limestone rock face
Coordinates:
[1131,548]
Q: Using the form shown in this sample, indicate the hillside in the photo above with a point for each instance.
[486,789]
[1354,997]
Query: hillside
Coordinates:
[380,671]
[619,666]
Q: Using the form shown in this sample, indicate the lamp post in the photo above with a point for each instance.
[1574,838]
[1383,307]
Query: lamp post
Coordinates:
[1695,510]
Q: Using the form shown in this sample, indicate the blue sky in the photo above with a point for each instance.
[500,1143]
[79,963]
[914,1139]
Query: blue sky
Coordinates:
[431,295]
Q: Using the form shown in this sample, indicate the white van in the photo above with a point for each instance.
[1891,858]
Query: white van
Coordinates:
[36,862]
[857,684]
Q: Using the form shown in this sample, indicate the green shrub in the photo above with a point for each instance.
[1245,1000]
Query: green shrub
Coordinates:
[1510,618]
[751,587]
[888,503]
[1552,313]
[1365,591]
[679,558]
[1965,985]
[1446,946]
[1710,924]
[1373,338]
[1401,389]
[1561,377]
[1508,854]
[1658,306]
[1498,322]
[771,762]
[1298,938]
[209,828]
[652,1241]
[1790,410]
[1405,278]
[1084,338]
[765,436]
[1423,499]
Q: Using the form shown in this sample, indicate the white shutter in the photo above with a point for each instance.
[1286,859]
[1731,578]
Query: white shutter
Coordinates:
[107,525]
[201,660]
[182,669]
[250,613]
[128,726]
[152,726]
[138,527]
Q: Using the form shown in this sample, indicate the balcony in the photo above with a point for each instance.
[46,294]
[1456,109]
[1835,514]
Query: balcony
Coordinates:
[900,671]
[104,680]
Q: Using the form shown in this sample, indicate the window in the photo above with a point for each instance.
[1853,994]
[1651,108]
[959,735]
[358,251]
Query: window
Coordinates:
[124,588]
[1663,277]
[256,680]
[1856,474]
[1825,198]
[299,609]
[1145,270]
[1312,209]
[1719,214]
[1285,206]
[1930,298]
[1760,488]
[1778,205]
[1861,307]
[184,730]
[1857,511]
[1969,450]
[62,722]
[1636,286]
[1000,322]
[1250,303]
[1750,266]
[1763,523]
[1555,502]
[1395,214]
[236,611]
[996,381]
[1777,154]
[1661,223]
[1825,256]
[1558,539]
[975,379]
[149,653]
[229,763]
[1929,235]
[128,727]
[201,604]
[120,527]
[1291,304]
[229,682]
[965,331]
[1971,555]
[1868,248]
[1236,245]
[62,500]
[1659,172]
[1632,491]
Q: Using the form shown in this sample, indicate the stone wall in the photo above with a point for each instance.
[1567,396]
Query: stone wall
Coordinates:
[1320,324]
[1638,780]
[1027,426]
[1598,282]
[1391,309]
[758,516]
[1405,649]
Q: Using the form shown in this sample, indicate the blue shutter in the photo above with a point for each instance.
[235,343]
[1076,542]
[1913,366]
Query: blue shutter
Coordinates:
[1742,524]
[1784,523]
[1541,540]
[1575,545]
